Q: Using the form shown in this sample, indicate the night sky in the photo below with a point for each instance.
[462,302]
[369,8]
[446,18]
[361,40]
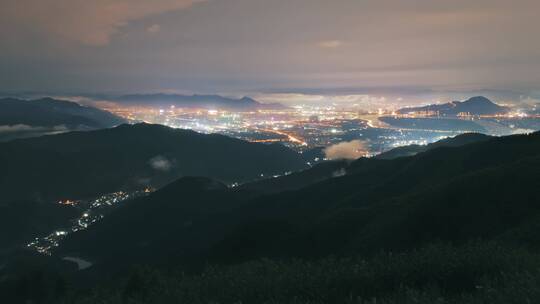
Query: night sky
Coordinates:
[266,47]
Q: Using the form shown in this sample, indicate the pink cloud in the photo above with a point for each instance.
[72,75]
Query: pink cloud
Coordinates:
[88,22]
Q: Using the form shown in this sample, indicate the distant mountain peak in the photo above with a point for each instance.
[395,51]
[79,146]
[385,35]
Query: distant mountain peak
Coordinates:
[478,100]
[248,99]
[195,101]
[477,105]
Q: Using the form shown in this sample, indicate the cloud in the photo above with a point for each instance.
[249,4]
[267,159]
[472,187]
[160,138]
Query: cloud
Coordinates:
[161,163]
[339,173]
[330,44]
[346,150]
[143,181]
[19,128]
[88,22]
[27,128]
[153,28]
[257,46]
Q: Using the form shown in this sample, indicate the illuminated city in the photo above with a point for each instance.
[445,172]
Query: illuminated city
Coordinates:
[305,127]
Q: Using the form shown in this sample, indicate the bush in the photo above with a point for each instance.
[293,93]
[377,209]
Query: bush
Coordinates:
[438,273]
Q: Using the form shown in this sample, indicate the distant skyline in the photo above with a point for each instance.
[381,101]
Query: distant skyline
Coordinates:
[401,51]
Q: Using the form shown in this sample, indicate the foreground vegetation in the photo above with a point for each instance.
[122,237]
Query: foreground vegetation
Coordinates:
[473,273]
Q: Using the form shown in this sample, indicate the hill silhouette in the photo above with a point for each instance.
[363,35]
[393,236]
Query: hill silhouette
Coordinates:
[442,225]
[411,150]
[84,164]
[28,118]
[478,105]
[333,169]
[485,189]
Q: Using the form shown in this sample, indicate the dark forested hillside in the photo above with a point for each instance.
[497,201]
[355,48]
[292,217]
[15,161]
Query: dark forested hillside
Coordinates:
[411,150]
[84,164]
[444,224]
[454,194]
[21,221]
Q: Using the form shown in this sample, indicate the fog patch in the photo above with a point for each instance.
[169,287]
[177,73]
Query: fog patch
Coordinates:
[161,163]
[19,128]
[346,150]
[27,128]
[81,264]
[339,173]
[145,181]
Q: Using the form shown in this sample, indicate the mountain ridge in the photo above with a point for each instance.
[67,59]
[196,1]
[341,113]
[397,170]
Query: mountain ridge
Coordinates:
[58,166]
[21,118]
[196,101]
[335,215]
[478,105]
[36,112]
